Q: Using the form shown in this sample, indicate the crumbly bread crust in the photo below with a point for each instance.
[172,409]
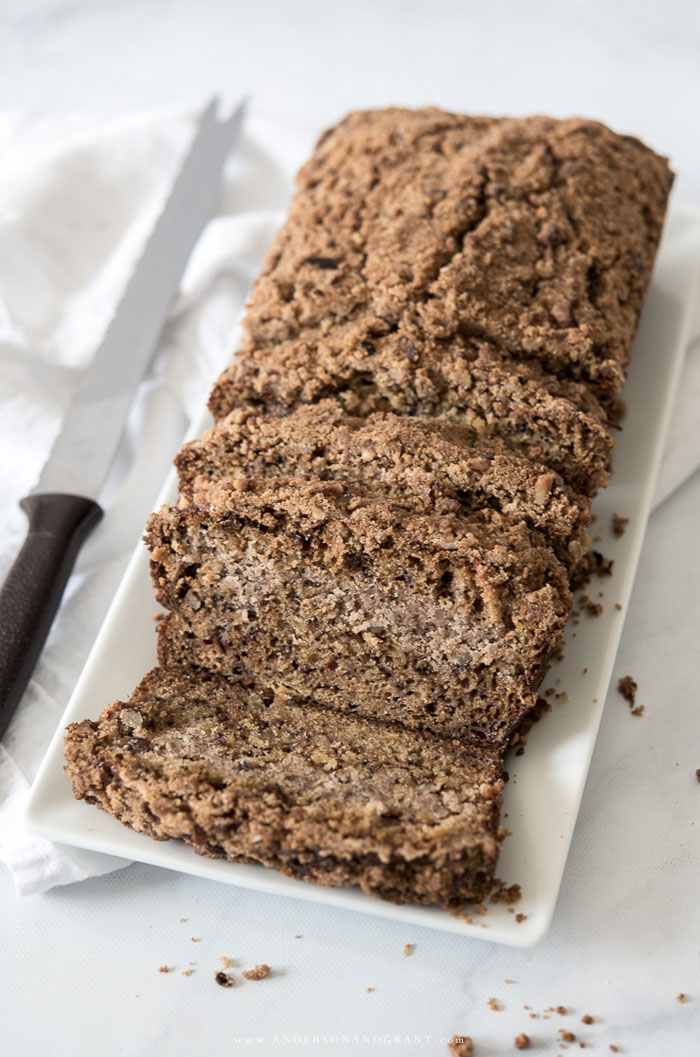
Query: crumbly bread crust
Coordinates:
[444,468]
[534,235]
[440,622]
[251,777]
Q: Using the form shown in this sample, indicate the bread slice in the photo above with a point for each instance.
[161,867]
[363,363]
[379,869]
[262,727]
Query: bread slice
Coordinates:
[252,777]
[470,383]
[444,468]
[359,603]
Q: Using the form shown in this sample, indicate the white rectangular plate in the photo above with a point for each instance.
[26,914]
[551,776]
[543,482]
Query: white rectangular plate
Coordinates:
[543,796]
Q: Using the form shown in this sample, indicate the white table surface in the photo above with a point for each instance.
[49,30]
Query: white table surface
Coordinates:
[78,966]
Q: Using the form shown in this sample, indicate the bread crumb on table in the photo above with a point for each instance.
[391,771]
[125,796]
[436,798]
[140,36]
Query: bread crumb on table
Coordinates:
[522,1041]
[258,973]
[614,1048]
[224,979]
[567,1036]
[587,1019]
[368,990]
[163,968]
[619,524]
[460,1046]
[226,962]
[681,997]
[520,918]
[628,688]
[187,972]
[493,1005]
[561,1010]
[408,949]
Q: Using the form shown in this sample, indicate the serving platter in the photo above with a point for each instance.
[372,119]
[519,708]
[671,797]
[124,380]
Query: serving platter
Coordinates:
[544,793]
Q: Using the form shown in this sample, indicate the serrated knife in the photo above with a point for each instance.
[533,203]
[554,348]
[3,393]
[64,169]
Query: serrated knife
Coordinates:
[62,509]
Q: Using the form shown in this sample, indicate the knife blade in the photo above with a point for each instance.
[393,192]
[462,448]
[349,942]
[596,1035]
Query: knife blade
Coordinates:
[62,509]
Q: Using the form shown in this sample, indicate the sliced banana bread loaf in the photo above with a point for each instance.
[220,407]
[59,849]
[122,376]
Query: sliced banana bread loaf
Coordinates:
[249,776]
[444,468]
[356,601]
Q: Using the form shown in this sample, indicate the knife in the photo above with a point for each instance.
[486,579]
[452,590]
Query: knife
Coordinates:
[62,509]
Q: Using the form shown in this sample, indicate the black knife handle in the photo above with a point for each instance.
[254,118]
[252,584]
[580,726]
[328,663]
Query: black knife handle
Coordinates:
[31,594]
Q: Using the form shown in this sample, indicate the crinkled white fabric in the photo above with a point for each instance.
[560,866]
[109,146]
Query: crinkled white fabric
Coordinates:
[77,200]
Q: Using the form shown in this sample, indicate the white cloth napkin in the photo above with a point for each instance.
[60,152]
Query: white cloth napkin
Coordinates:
[78,197]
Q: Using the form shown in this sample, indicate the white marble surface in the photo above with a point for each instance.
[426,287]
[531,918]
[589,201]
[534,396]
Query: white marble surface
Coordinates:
[625,936]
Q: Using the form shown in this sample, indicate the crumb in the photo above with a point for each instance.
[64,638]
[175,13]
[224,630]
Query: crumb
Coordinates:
[520,918]
[681,997]
[460,1046]
[187,972]
[522,1041]
[506,893]
[628,688]
[582,1045]
[298,936]
[195,939]
[638,711]
[697,774]
[408,949]
[614,1048]
[561,1010]
[585,670]
[224,979]
[455,912]
[183,920]
[567,1036]
[618,606]
[533,1016]
[493,1005]
[594,609]
[368,990]
[226,962]
[163,968]
[587,1019]
[258,973]
[481,909]
[619,524]
[193,963]
[509,981]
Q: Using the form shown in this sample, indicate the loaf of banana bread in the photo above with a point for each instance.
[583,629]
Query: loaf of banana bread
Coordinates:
[368,566]
[249,776]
